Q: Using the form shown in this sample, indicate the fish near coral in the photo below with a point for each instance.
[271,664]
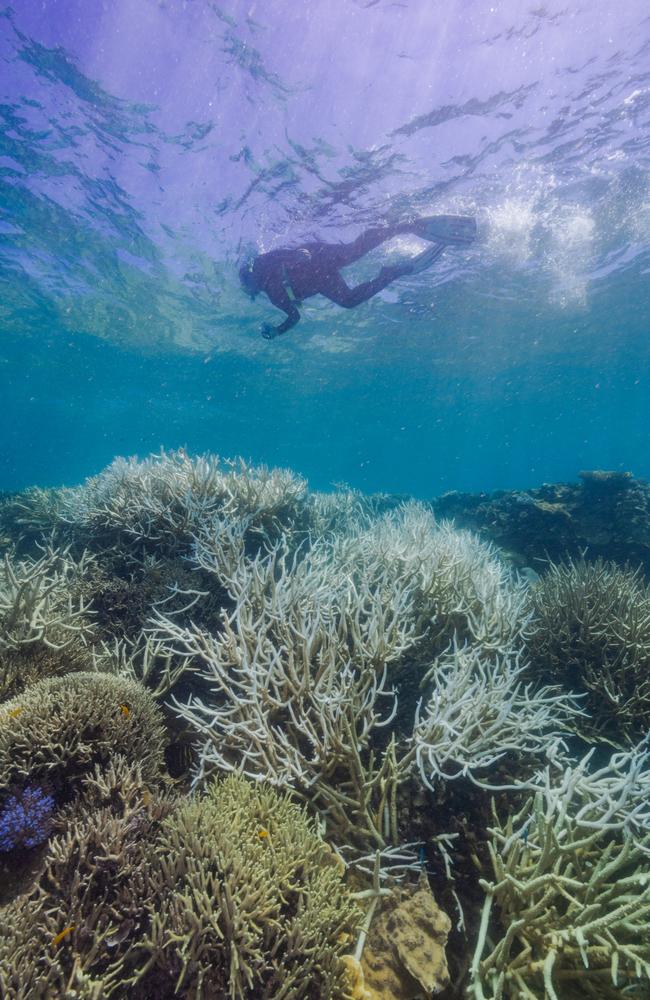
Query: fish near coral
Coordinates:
[58,938]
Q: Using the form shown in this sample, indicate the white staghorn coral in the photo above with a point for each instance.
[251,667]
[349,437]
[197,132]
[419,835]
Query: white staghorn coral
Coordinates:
[143,659]
[297,680]
[36,605]
[167,497]
[296,673]
[479,711]
[458,584]
[45,624]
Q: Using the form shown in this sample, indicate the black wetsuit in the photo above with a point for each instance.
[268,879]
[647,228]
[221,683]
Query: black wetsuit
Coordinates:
[288,276]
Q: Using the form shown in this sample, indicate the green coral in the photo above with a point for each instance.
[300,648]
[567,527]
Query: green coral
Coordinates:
[250,901]
[567,910]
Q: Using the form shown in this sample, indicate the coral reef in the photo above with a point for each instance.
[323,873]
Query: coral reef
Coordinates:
[605,515]
[355,685]
[231,895]
[27,518]
[571,887]
[590,631]
[296,679]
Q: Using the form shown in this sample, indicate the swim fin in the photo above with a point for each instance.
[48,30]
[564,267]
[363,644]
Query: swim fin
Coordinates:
[452,230]
[423,260]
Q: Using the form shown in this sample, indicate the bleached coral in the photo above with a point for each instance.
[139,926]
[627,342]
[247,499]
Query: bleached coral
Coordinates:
[297,681]
[345,510]
[297,673]
[567,911]
[458,586]
[145,660]
[44,627]
[357,655]
[30,518]
[479,711]
[162,500]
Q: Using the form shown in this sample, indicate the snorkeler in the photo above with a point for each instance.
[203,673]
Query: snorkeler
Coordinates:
[288,276]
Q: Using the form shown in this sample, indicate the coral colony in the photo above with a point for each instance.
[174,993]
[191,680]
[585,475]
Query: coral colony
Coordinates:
[294,743]
[26,819]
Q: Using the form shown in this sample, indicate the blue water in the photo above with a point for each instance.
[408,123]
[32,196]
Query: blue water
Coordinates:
[146,146]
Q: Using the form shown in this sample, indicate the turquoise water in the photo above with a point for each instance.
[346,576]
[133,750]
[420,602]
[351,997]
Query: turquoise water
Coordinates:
[145,146]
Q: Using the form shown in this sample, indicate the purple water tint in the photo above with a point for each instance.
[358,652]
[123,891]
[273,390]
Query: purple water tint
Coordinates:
[435,88]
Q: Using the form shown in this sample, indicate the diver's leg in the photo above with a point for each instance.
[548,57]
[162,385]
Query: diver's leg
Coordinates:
[339,255]
[335,288]
[456,230]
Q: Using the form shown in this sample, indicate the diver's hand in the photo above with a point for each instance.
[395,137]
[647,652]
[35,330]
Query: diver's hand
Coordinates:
[268,332]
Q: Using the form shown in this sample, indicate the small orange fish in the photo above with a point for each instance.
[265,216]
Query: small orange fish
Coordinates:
[58,938]
[262,834]
[13,713]
[125,710]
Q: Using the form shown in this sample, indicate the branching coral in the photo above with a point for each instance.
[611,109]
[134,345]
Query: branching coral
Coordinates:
[590,631]
[72,935]
[457,585]
[250,900]
[282,629]
[29,518]
[159,503]
[297,671]
[568,910]
[346,510]
[44,630]
[231,895]
[59,728]
[297,676]
[145,660]
[479,711]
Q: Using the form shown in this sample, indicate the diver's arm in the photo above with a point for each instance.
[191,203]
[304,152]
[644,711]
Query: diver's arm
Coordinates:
[280,298]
